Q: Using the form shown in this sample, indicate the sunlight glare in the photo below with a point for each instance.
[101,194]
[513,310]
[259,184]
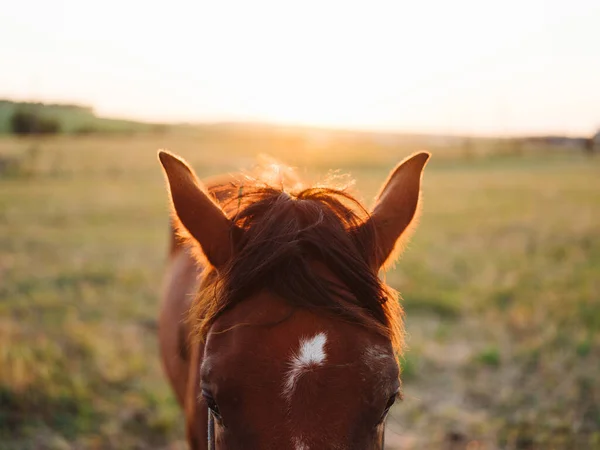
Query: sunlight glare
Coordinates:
[462,66]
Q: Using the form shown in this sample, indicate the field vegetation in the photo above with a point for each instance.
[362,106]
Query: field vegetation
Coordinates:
[501,285]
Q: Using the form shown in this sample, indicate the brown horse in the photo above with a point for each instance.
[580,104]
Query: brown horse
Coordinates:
[276,331]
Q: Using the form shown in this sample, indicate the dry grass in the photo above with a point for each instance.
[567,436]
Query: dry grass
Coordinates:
[501,284]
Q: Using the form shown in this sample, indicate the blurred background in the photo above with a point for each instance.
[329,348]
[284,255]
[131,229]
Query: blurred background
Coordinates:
[501,282]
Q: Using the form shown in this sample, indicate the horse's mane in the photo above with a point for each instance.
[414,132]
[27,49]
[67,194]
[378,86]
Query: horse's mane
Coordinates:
[286,235]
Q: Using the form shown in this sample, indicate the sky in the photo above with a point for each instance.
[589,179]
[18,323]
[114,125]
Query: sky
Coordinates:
[460,66]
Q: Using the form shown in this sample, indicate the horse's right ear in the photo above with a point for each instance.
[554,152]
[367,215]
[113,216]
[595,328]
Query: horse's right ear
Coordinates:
[196,210]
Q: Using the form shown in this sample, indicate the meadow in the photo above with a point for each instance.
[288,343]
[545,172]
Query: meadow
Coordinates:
[501,287]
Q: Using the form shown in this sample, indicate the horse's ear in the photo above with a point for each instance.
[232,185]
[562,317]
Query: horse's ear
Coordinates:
[396,207]
[196,210]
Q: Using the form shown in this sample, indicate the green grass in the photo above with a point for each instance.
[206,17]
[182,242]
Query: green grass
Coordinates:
[501,285]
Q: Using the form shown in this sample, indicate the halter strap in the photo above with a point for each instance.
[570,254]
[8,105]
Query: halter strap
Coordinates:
[211,430]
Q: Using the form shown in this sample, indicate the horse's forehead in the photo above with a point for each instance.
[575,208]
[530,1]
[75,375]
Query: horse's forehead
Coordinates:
[265,334]
[309,376]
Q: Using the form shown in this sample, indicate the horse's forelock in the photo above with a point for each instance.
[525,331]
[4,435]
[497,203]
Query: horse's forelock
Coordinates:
[284,236]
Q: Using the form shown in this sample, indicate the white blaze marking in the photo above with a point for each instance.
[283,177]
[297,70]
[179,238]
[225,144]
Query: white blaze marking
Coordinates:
[299,445]
[311,354]
[376,353]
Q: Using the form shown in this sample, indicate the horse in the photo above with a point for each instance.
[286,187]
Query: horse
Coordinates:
[276,330]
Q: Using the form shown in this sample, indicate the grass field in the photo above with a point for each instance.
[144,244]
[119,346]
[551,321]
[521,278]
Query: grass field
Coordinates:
[501,285]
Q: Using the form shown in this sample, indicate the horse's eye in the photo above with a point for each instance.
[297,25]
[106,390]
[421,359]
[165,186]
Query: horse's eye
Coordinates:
[212,404]
[388,405]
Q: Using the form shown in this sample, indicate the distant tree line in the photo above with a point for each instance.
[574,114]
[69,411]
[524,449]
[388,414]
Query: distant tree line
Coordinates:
[28,122]
[36,118]
[38,105]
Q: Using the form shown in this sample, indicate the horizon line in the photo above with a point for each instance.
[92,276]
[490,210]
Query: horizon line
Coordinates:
[274,123]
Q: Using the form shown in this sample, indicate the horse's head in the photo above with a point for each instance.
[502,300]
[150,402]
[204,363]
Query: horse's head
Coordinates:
[300,335]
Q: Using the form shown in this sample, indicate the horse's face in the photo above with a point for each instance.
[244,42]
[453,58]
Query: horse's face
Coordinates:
[284,379]
[300,333]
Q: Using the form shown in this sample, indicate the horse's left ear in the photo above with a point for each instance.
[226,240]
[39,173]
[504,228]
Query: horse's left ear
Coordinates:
[396,208]
[196,210]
